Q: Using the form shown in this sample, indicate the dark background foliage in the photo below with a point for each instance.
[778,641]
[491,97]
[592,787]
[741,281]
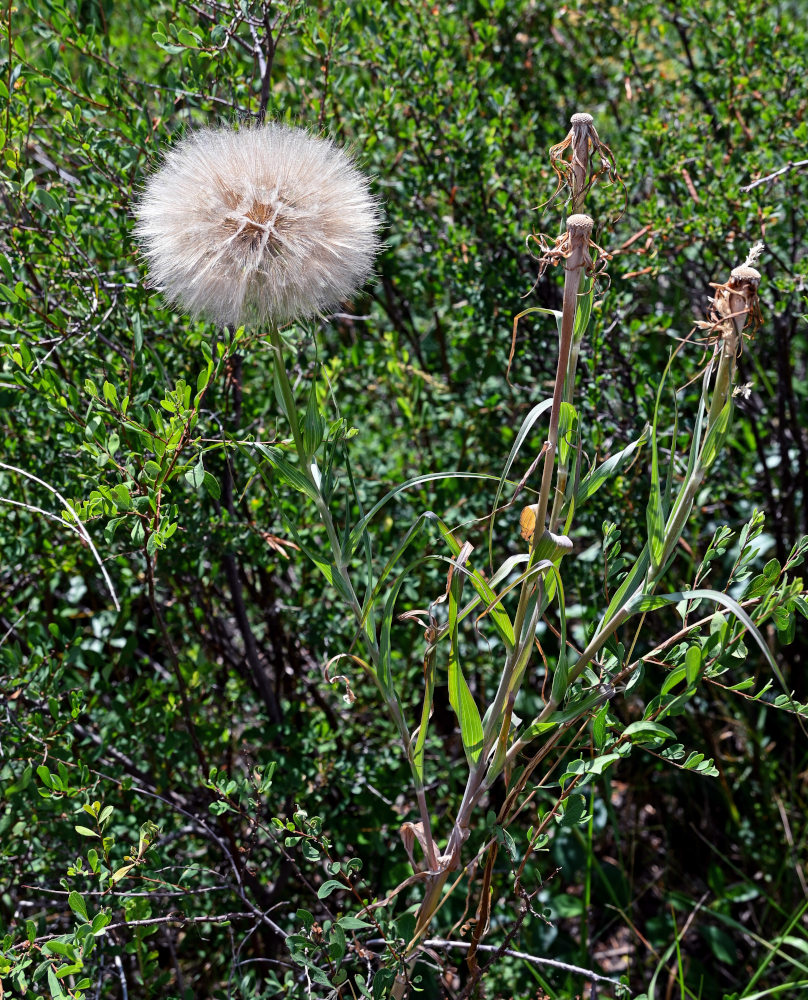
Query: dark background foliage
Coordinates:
[174,710]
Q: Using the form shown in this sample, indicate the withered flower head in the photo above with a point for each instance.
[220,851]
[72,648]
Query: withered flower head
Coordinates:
[261,224]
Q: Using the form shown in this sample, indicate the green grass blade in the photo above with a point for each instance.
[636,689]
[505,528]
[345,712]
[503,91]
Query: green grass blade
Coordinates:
[288,473]
[593,480]
[363,522]
[502,573]
[426,712]
[499,616]
[654,514]
[567,432]
[460,697]
[788,988]
[716,435]
[630,584]
[654,601]
[524,430]
[586,296]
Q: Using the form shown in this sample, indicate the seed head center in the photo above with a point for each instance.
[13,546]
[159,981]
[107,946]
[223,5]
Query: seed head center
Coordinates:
[255,229]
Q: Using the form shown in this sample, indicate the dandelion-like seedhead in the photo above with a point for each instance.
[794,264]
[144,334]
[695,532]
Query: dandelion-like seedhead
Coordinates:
[263,224]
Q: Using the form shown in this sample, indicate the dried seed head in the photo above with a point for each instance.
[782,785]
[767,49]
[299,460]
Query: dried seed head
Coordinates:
[261,224]
[736,306]
[582,169]
[578,231]
[579,225]
[744,275]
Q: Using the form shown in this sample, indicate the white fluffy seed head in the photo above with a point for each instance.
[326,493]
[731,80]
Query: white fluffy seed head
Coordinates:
[263,224]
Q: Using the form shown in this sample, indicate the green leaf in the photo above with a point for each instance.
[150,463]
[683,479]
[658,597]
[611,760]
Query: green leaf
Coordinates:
[693,662]
[608,469]
[560,679]
[328,887]
[57,993]
[674,677]
[353,923]
[499,616]
[460,697]
[358,530]
[524,430]
[76,903]
[195,476]
[716,435]
[583,309]
[629,586]
[212,486]
[574,810]
[655,515]
[586,770]
[45,200]
[599,726]
[642,732]
[19,786]
[313,424]
[120,873]
[337,944]
[110,394]
[188,38]
[287,472]
[732,605]
[567,432]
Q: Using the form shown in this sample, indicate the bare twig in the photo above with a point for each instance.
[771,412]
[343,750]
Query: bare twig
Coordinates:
[791,165]
[79,529]
[524,956]
[181,921]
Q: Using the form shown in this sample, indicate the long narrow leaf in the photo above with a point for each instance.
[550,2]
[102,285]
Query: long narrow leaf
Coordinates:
[502,573]
[363,522]
[499,616]
[460,697]
[586,296]
[426,711]
[524,430]
[287,472]
[567,432]
[716,435]
[654,514]
[627,588]
[593,480]
[653,601]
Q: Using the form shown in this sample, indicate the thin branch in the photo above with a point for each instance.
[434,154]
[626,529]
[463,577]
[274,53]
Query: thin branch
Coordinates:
[162,893]
[524,956]
[79,528]
[181,921]
[122,977]
[777,173]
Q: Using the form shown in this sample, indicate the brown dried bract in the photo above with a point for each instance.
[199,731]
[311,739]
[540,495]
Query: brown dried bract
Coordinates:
[553,251]
[735,307]
[589,159]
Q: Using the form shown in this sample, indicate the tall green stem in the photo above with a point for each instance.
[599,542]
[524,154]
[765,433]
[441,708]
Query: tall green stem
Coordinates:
[579,228]
[307,465]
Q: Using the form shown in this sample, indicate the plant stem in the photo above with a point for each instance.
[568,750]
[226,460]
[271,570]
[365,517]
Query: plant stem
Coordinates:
[371,644]
[734,302]
[579,228]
